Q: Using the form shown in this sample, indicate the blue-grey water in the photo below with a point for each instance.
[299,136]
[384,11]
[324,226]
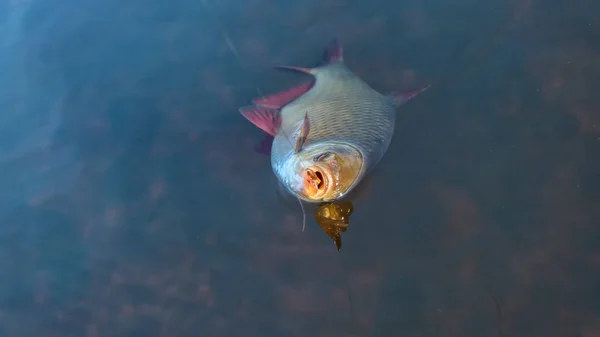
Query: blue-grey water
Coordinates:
[133,202]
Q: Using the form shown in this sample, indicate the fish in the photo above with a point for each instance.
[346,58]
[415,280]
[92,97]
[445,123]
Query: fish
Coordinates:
[328,133]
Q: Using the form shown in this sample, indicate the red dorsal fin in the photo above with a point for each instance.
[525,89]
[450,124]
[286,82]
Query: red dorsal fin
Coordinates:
[282,98]
[267,119]
[402,97]
[334,52]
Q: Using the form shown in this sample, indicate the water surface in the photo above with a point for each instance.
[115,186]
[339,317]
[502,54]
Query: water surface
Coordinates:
[134,204]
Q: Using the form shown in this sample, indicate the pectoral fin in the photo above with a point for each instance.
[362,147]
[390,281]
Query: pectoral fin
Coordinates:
[264,147]
[267,119]
[304,130]
[310,71]
[403,97]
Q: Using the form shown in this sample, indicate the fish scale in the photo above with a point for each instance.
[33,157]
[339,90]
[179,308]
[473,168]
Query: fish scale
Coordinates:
[341,108]
[329,133]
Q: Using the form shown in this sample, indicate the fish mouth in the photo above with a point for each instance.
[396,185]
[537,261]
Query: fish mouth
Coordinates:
[317,181]
[324,172]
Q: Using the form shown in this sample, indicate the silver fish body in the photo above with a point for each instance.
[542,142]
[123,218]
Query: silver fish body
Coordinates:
[342,108]
[328,134]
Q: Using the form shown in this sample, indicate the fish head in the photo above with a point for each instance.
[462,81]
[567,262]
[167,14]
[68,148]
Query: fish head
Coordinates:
[324,171]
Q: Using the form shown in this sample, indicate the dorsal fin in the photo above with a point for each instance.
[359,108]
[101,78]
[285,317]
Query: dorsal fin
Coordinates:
[334,52]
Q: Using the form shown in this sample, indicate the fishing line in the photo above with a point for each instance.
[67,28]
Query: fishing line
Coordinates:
[233,49]
[488,288]
[303,214]
[499,318]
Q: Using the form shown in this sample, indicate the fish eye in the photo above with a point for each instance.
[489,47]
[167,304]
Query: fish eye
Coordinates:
[322,156]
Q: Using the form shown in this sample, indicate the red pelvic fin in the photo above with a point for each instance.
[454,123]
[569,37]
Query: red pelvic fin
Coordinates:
[334,52]
[267,119]
[403,97]
[282,98]
[264,147]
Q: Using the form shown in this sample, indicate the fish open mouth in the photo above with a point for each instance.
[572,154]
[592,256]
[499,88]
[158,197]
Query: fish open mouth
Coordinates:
[325,172]
[316,182]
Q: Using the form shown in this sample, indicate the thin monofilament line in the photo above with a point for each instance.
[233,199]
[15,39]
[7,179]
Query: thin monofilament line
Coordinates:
[233,49]
[303,214]
[499,313]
